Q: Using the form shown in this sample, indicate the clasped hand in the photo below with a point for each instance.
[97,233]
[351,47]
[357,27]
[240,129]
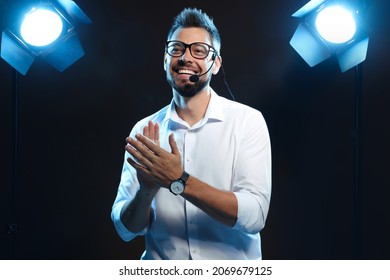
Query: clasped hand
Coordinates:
[153,162]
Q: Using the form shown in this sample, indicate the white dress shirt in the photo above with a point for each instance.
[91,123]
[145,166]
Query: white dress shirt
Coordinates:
[228,149]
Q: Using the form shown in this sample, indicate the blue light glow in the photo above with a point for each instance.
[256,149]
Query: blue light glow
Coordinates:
[41,27]
[336,24]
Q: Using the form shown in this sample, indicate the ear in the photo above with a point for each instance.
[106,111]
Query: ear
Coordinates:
[165,62]
[217,65]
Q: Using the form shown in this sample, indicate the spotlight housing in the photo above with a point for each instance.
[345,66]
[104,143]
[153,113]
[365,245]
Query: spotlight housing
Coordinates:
[32,36]
[330,28]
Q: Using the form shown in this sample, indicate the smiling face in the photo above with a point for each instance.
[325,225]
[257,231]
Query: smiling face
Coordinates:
[179,69]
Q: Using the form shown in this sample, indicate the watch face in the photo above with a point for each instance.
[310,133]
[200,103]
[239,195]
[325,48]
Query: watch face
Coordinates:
[177,187]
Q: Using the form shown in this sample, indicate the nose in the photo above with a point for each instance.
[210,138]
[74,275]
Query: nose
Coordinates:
[186,56]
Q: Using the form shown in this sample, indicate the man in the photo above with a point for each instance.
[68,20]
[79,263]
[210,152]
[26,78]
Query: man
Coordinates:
[196,179]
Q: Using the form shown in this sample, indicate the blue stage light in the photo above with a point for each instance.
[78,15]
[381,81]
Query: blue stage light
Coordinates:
[41,27]
[34,36]
[330,28]
[336,24]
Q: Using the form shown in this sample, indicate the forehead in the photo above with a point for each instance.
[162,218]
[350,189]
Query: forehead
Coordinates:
[189,35]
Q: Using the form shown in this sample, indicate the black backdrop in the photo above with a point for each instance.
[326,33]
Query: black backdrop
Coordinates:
[73,124]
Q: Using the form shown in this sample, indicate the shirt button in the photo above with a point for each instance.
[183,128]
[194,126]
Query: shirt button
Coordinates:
[195,251]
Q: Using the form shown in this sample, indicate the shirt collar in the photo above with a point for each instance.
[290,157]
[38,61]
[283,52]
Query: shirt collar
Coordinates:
[214,110]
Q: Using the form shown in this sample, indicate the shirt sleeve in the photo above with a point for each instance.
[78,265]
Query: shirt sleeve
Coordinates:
[128,188]
[252,175]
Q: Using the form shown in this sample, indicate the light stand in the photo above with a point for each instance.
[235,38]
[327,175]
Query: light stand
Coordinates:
[358,229]
[13,226]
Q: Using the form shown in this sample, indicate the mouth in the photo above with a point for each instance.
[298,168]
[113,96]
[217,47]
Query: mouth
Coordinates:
[186,72]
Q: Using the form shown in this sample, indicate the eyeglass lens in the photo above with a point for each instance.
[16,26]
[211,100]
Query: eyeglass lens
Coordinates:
[197,50]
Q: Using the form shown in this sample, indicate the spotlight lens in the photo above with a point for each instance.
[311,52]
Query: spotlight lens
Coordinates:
[41,27]
[336,24]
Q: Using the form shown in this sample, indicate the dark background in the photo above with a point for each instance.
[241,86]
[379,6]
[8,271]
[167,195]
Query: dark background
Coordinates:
[72,127]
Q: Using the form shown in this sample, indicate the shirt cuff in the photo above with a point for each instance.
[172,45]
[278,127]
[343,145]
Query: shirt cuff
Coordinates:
[249,215]
[123,232]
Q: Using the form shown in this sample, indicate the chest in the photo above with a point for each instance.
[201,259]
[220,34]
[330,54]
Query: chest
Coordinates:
[208,152]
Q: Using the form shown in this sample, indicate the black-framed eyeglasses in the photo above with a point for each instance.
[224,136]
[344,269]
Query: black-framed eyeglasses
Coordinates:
[198,50]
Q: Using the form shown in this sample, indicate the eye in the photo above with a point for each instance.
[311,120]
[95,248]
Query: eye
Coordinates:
[199,50]
[175,49]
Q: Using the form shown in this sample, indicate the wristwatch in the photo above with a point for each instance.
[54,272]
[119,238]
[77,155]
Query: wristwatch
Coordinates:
[177,187]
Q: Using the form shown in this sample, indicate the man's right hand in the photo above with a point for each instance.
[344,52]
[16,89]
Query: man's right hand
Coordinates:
[151,131]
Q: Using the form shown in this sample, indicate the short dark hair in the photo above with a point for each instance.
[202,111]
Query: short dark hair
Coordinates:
[192,17]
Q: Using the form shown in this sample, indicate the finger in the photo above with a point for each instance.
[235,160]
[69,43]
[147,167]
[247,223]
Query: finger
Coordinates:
[129,140]
[137,143]
[146,132]
[133,144]
[133,163]
[137,166]
[139,152]
[151,130]
[157,134]
[172,143]
[155,149]
[154,132]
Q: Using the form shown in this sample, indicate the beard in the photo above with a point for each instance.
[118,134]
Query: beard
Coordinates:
[186,89]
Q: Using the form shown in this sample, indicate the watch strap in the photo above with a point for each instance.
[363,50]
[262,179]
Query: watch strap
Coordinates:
[184,176]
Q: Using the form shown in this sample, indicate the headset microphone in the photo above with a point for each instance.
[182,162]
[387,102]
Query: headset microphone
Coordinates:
[195,78]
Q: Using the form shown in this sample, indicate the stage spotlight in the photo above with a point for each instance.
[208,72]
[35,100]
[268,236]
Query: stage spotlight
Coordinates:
[46,30]
[41,27]
[330,28]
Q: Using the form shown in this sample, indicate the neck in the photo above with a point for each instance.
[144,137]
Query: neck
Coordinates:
[192,109]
